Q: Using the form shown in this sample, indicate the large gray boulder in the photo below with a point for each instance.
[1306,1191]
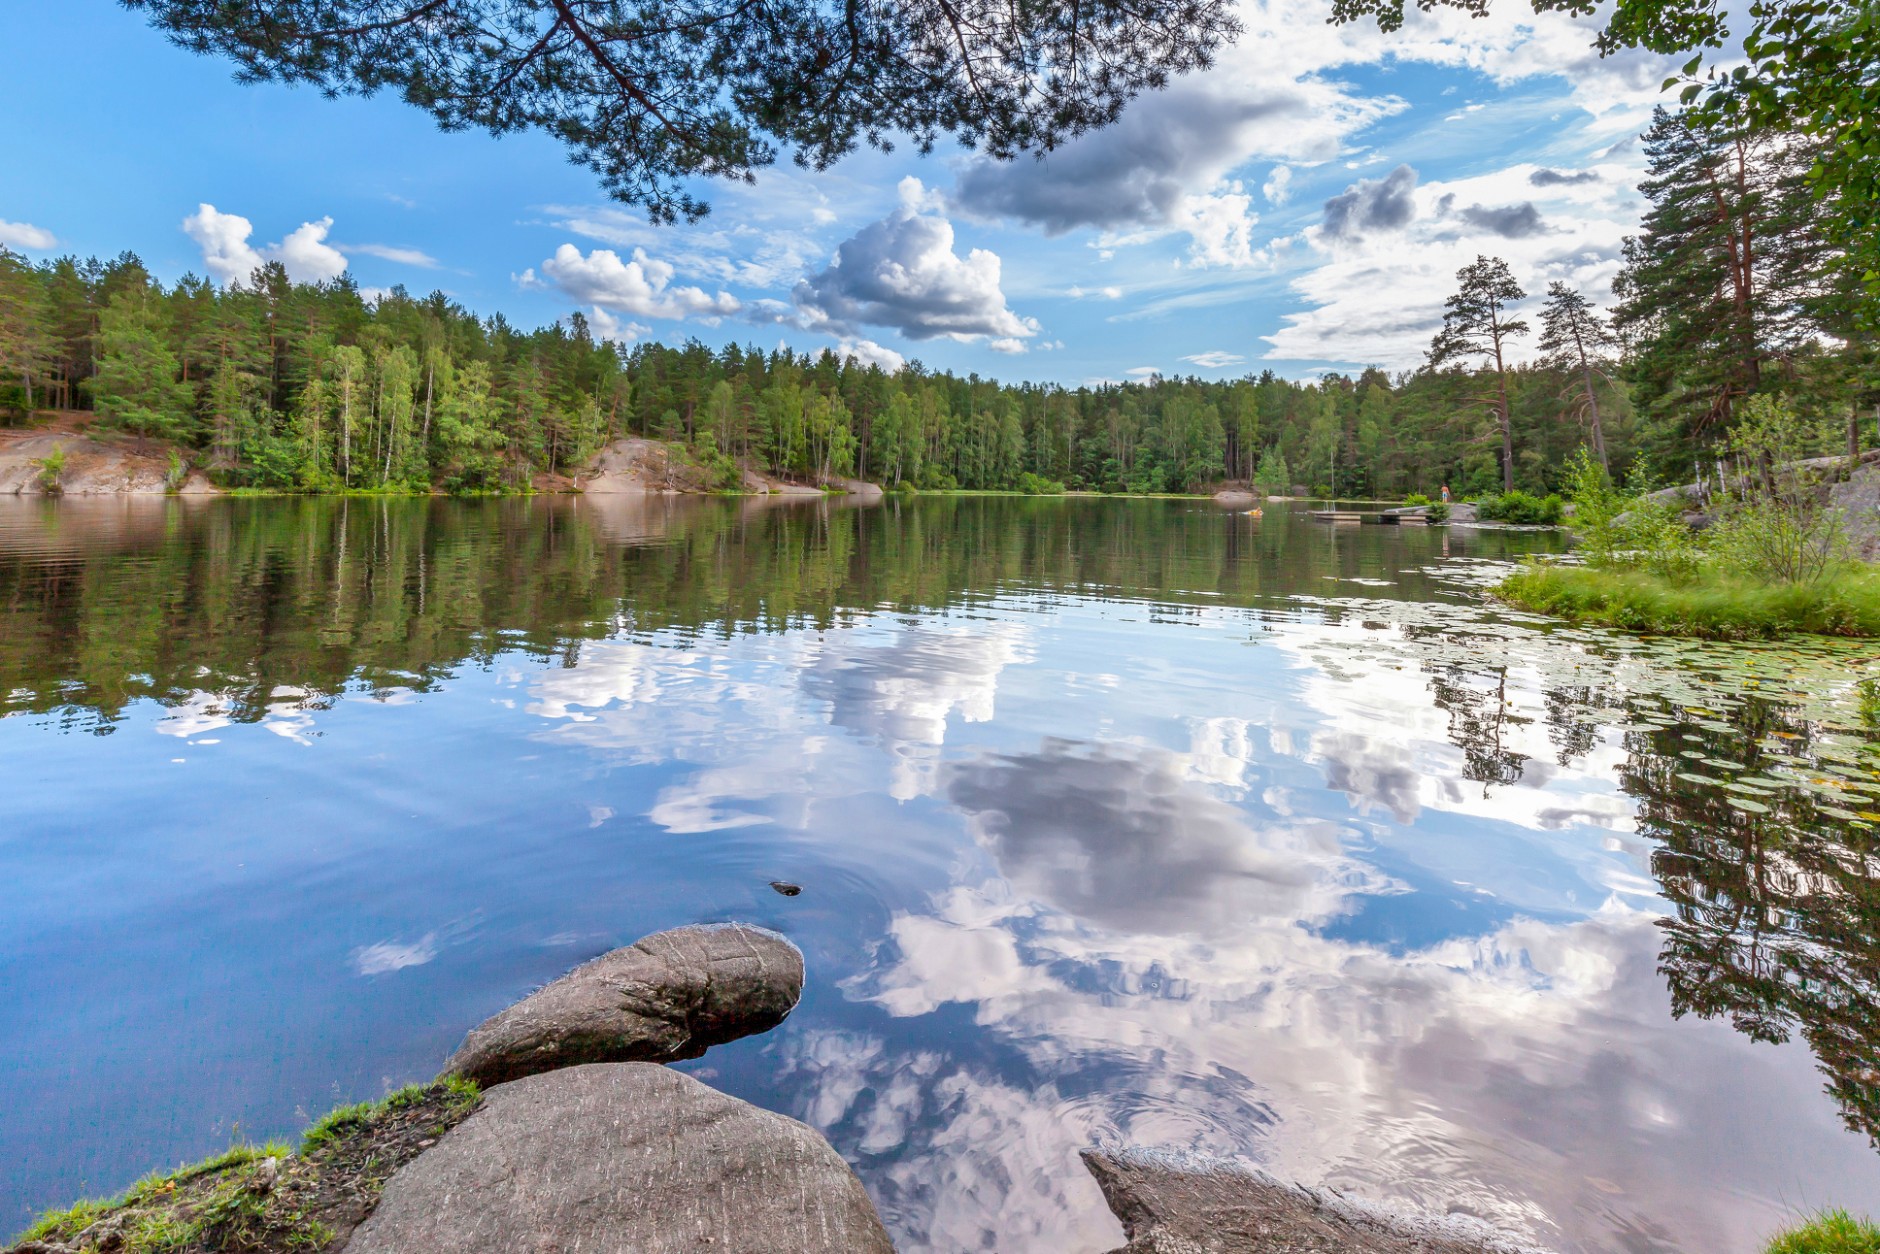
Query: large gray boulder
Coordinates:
[623,1158]
[664,998]
[1180,1203]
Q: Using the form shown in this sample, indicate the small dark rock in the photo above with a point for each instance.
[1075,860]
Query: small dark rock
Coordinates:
[664,998]
[786,888]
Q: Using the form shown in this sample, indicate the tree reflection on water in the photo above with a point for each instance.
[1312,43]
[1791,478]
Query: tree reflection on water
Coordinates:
[1777,913]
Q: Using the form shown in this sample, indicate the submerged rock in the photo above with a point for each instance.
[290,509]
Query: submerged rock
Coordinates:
[624,1158]
[1180,1203]
[664,998]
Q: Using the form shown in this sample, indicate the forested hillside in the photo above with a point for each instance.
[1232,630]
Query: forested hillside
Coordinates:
[1731,289]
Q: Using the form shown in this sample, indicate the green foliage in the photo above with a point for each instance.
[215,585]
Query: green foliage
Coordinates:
[1417,498]
[1274,478]
[655,97]
[1037,485]
[1782,527]
[52,469]
[288,387]
[137,386]
[1437,512]
[1831,1232]
[1522,507]
[175,472]
[1719,606]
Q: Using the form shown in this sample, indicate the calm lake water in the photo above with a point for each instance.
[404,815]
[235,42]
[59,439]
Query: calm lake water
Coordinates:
[1117,822]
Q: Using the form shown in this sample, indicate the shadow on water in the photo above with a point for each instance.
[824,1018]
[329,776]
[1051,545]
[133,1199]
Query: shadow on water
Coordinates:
[1114,822]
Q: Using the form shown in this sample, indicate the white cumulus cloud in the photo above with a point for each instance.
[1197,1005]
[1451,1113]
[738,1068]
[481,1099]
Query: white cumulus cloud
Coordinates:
[25,235]
[641,287]
[870,353]
[230,258]
[902,272]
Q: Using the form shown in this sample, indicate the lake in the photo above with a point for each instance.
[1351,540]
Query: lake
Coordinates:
[1143,822]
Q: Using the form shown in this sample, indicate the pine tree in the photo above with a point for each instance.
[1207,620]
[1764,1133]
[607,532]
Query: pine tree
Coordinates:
[138,385]
[1576,339]
[1477,324]
[1719,292]
[26,349]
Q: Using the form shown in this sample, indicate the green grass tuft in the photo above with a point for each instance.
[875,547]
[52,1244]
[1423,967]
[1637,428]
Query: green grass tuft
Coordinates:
[1831,1232]
[74,1218]
[334,1123]
[1710,605]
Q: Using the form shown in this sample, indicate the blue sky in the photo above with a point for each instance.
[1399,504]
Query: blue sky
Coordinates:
[1303,206]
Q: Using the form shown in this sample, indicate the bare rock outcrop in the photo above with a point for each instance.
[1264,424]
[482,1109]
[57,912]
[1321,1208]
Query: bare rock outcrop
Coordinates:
[667,997]
[624,1158]
[1858,499]
[1180,1203]
[94,465]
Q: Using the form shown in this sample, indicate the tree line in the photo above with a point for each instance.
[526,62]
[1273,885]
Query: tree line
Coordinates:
[1731,289]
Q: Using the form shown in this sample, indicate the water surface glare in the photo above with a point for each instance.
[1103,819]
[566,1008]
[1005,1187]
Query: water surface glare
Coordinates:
[1116,822]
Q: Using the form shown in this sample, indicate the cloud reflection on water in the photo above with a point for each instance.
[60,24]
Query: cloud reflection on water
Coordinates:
[1155,942]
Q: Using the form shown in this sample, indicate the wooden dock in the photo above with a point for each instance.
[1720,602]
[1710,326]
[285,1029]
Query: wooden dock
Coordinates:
[1390,517]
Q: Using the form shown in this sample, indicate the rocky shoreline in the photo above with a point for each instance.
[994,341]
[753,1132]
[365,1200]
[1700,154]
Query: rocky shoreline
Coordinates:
[556,1128]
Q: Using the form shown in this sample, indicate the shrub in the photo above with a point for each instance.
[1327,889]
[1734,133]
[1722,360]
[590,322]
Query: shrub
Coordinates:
[175,472]
[1437,511]
[52,470]
[1521,507]
[1038,485]
[1417,498]
[1783,528]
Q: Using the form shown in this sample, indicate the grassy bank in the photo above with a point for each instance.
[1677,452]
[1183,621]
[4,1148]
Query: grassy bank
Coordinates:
[268,1200]
[1835,1232]
[1708,604]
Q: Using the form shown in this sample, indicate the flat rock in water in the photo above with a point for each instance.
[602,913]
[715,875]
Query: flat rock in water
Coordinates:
[1180,1203]
[623,1158]
[667,997]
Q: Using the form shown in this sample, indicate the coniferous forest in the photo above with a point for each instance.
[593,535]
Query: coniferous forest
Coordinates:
[1731,289]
